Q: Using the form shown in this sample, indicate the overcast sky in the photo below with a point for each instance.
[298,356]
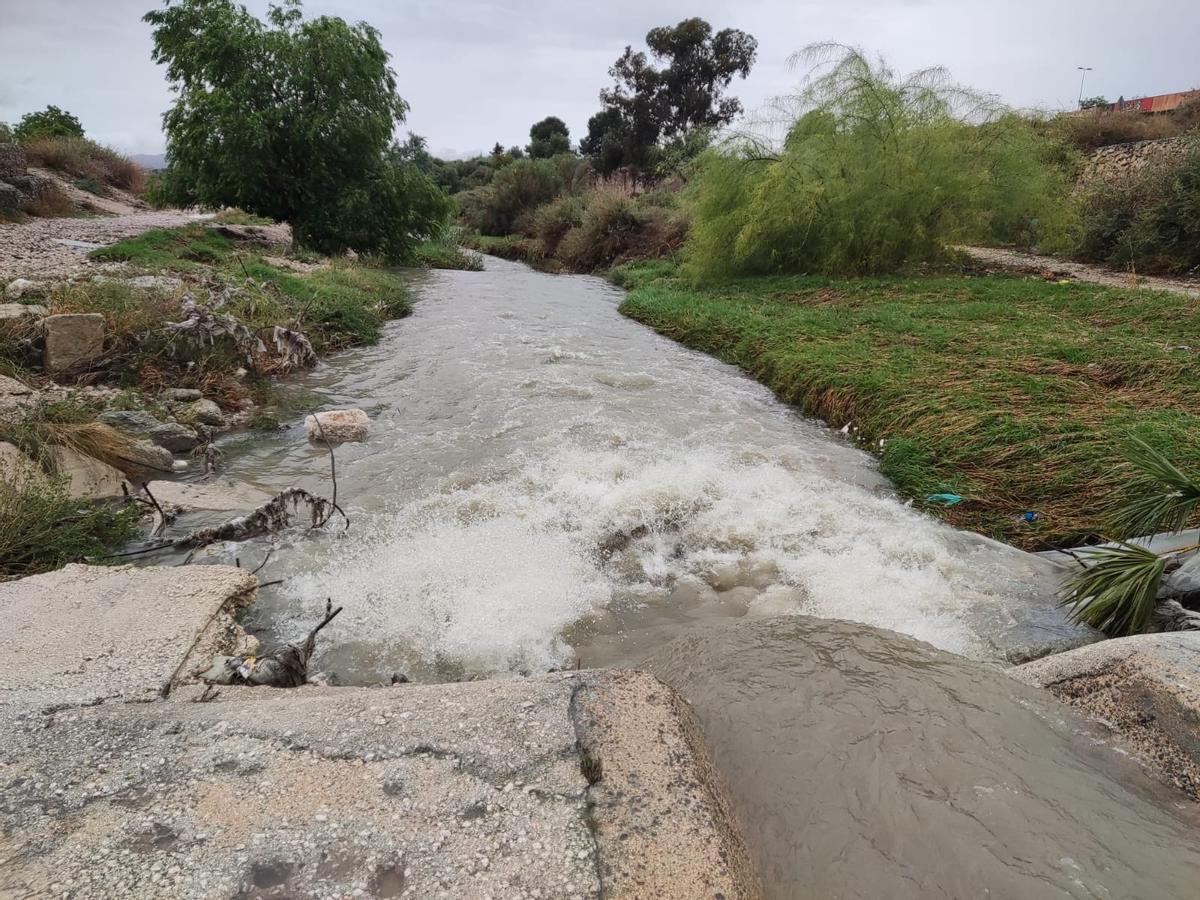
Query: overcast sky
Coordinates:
[476,72]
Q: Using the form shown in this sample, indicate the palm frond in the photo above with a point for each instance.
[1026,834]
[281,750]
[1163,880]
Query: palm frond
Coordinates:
[1161,497]
[1118,590]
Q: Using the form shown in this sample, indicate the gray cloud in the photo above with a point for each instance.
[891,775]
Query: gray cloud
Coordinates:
[478,71]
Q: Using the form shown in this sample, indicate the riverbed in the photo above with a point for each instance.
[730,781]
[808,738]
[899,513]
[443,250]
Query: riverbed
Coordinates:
[549,484]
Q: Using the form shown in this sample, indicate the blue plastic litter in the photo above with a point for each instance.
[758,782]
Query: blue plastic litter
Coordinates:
[944,499]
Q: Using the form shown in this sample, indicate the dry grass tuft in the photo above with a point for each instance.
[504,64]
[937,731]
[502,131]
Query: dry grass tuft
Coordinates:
[83,158]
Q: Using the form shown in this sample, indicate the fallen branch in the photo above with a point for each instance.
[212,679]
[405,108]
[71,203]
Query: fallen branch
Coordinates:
[272,516]
[1171,615]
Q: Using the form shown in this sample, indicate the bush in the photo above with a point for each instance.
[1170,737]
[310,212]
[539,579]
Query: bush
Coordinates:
[1150,222]
[617,228]
[519,187]
[85,159]
[1102,127]
[552,221]
[42,528]
[51,122]
[879,174]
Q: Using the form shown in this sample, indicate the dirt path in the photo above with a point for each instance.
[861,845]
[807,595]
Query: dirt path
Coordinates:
[42,247]
[1032,262]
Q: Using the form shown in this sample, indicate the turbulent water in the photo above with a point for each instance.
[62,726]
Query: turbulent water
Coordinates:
[863,764]
[547,482]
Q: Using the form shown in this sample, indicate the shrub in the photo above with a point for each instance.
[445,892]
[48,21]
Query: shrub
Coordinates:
[42,528]
[51,122]
[85,159]
[1149,222]
[552,221]
[1102,128]
[617,228]
[880,173]
[50,203]
[519,187]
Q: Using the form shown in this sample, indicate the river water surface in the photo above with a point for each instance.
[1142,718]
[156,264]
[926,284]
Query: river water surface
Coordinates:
[549,484]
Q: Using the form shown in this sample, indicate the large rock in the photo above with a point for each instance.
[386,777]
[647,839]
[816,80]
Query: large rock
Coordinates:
[12,160]
[201,412]
[10,197]
[73,341]
[21,312]
[20,288]
[10,387]
[1146,688]
[466,791]
[87,478]
[17,469]
[172,436]
[337,426]
[32,187]
[145,457]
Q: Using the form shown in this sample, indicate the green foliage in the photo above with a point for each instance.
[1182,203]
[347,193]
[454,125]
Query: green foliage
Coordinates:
[552,221]
[1097,102]
[50,122]
[1117,591]
[516,189]
[880,173]
[176,249]
[42,528]
[91,186]
[548,138]
[687,93]
[290,119]
[1148,222]
[445,252]
[972,383]
[1157,497]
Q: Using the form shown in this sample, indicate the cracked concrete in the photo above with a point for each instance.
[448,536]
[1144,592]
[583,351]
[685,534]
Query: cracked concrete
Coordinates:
[573,785]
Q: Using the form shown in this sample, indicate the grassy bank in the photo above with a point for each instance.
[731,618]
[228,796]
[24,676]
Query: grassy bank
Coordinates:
[1014,393]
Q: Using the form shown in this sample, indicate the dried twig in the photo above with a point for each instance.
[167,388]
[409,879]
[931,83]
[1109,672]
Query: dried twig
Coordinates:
[332,474]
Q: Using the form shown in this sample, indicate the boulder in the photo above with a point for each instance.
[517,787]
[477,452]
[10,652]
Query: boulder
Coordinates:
[17,469]
[73,341]
[338,426]
[87,478]
[10,387]
[31,186]
[21,312]
[23,287]
[182,395]
[201,412]
[145,457]
[173,436]
[10,197]
[12,160]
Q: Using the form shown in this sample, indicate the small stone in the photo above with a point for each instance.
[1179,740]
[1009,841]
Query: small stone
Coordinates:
[21,311]
[338,426]
[182,395]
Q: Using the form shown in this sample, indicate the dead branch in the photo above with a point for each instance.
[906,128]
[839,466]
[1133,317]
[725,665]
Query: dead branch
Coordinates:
[332,474]
[294,348]
[274,515]
[1171,615]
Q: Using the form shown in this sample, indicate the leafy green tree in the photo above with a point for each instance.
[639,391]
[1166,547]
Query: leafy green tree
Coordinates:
[549,137]
[291,118]
[50,122]
[679,87]
[412,151]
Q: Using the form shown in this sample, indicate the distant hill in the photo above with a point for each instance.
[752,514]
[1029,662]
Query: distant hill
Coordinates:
[150,160]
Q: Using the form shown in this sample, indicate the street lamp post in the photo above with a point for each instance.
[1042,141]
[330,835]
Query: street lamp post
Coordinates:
[1084,70]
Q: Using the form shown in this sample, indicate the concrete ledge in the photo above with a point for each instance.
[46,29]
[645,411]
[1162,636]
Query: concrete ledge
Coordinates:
[86,634]
[1146,688]
[457,790]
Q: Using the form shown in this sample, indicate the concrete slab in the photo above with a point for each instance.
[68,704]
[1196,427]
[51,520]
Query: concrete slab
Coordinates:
[458,790]
[86,634]
[1146,688]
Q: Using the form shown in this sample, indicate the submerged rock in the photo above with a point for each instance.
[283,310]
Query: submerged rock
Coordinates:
[338,426]
[218,497]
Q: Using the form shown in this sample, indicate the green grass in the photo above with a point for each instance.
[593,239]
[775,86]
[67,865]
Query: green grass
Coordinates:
[1015,393]
[336,306]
